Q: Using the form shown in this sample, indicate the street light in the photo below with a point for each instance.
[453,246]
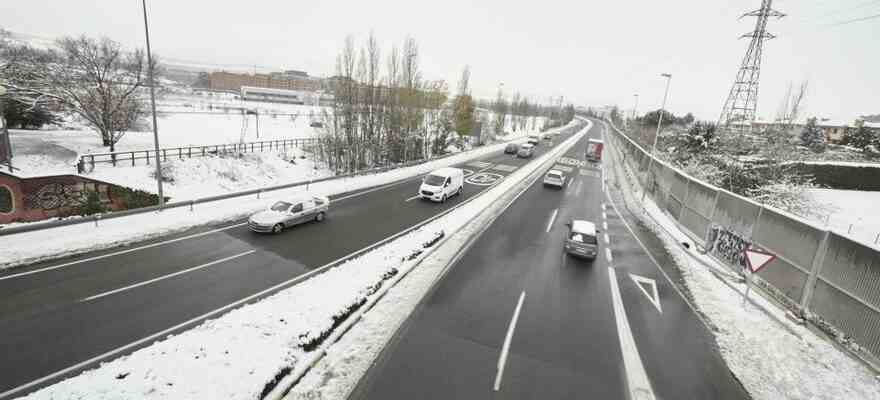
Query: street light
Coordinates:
[657,134]
[153,106]
[635,107]
[5,132]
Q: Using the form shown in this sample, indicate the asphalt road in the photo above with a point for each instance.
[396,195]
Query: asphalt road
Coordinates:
[92,304]
[567,338]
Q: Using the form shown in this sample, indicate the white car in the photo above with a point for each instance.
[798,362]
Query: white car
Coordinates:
[555,177]
[442,184]
[286,213]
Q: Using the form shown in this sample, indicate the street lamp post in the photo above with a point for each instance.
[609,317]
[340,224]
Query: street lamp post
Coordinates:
[5,132]
[657,134]
[153,106]
[636,106]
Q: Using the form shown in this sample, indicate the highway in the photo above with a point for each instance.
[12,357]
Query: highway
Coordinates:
[61,317]
[516,318]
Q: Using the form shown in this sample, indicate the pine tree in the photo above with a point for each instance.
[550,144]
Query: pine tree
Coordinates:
[812,137]
[861,138]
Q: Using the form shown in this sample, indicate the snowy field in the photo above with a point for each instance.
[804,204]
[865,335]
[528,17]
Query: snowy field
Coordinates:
[771,360]
[853,212]
[55,151]
[232,357]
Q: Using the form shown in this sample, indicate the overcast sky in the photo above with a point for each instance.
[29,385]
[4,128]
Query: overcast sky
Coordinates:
[591,52]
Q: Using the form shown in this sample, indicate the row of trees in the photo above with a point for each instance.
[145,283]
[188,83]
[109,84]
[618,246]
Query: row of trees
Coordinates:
[385,111]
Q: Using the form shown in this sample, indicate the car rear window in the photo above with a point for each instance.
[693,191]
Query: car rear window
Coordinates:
[554,174]
[580,237]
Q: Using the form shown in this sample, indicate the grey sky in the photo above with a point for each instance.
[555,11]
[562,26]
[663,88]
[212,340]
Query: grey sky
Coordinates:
[592,52]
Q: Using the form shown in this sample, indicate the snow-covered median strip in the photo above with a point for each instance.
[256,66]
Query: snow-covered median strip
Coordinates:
[772,357]
[249,352]
[30,247]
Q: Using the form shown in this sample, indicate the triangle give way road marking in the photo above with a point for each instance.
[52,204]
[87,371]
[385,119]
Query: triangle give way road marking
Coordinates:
[649,287]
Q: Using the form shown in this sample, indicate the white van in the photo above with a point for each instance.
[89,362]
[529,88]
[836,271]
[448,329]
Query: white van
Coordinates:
[442,184]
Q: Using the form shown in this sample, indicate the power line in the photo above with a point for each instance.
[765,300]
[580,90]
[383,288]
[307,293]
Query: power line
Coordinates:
[856,7]
[850,21]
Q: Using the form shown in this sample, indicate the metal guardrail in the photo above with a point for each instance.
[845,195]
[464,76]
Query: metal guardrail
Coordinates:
[87,162]
[190,203]
[824,275]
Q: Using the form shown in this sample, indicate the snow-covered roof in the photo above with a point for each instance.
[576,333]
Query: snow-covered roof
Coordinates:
[585,227]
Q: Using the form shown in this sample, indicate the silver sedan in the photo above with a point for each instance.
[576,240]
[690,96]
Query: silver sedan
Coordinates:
[284,214]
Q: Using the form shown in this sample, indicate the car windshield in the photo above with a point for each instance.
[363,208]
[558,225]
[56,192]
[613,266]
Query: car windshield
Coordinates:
[434,180]
[280,206]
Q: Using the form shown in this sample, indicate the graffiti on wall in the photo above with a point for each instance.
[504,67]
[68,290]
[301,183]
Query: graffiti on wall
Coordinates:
[57,195]
[728,245]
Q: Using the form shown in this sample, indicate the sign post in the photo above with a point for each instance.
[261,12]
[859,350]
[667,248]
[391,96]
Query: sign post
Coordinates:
[755,260]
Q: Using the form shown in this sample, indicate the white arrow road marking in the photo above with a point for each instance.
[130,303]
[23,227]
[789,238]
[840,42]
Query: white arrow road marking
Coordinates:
[506,347]
[636,378]
[552,218]
[654,296]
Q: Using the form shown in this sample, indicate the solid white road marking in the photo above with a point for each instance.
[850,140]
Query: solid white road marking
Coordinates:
[654,296]
[552,218]
[506,347]
[116,253]
[607,239]
[608,255]
[636,378]
[147,282]
[413,198]
[605,225]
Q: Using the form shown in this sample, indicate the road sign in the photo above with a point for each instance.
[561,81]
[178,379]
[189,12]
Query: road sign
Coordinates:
[757,259]
[643,284]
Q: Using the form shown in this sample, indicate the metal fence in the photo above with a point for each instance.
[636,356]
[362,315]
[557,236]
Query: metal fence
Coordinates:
[87,162]
[827,276]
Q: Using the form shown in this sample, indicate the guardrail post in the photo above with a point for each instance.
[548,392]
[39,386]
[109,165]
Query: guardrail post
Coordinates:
[818,261]
[132,159]
[97,218]
[148,157]
[189,152]
[191,204]
[180,153]
[92,161]
[164,155]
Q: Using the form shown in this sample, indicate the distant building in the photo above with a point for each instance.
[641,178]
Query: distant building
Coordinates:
[288,80]
[277,95]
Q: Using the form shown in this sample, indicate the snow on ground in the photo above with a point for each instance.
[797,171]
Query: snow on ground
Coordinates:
[854,212]
[233,357]
[28,247]
[207,176]
[770,361]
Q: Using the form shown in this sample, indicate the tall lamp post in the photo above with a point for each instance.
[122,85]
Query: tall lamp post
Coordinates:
[636,106]
[657,134]
[5,132]
[153,106]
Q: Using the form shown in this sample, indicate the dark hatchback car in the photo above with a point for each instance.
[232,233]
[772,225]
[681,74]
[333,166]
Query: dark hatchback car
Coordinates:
[511,148]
